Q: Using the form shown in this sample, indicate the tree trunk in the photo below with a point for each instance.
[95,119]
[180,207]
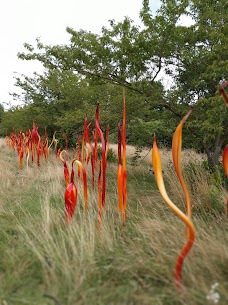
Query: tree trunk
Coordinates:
[214,154]
[213,157]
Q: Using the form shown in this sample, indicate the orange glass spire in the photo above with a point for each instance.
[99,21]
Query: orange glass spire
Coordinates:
[156,162]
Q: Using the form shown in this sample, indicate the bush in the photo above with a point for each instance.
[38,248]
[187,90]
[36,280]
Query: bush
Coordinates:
[111,155]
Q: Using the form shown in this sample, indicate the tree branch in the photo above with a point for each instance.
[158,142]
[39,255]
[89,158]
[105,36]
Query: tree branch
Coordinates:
[159,68]
[111,80]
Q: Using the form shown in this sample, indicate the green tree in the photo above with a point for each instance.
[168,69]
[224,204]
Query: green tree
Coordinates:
[198,64]
[1,112]
[60,100]
[121,56]
[14,119]
[1,115]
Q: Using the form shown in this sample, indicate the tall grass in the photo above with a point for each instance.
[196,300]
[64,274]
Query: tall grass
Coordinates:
[44,261]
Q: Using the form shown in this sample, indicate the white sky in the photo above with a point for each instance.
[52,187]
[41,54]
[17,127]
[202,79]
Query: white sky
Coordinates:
[24,20]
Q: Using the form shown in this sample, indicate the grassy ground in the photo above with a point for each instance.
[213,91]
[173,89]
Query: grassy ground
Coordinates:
[43,261]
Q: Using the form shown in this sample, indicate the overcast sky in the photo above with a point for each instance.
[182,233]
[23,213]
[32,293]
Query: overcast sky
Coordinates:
[24,20]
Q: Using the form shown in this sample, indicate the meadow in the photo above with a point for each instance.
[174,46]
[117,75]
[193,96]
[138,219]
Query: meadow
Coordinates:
[45,261]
